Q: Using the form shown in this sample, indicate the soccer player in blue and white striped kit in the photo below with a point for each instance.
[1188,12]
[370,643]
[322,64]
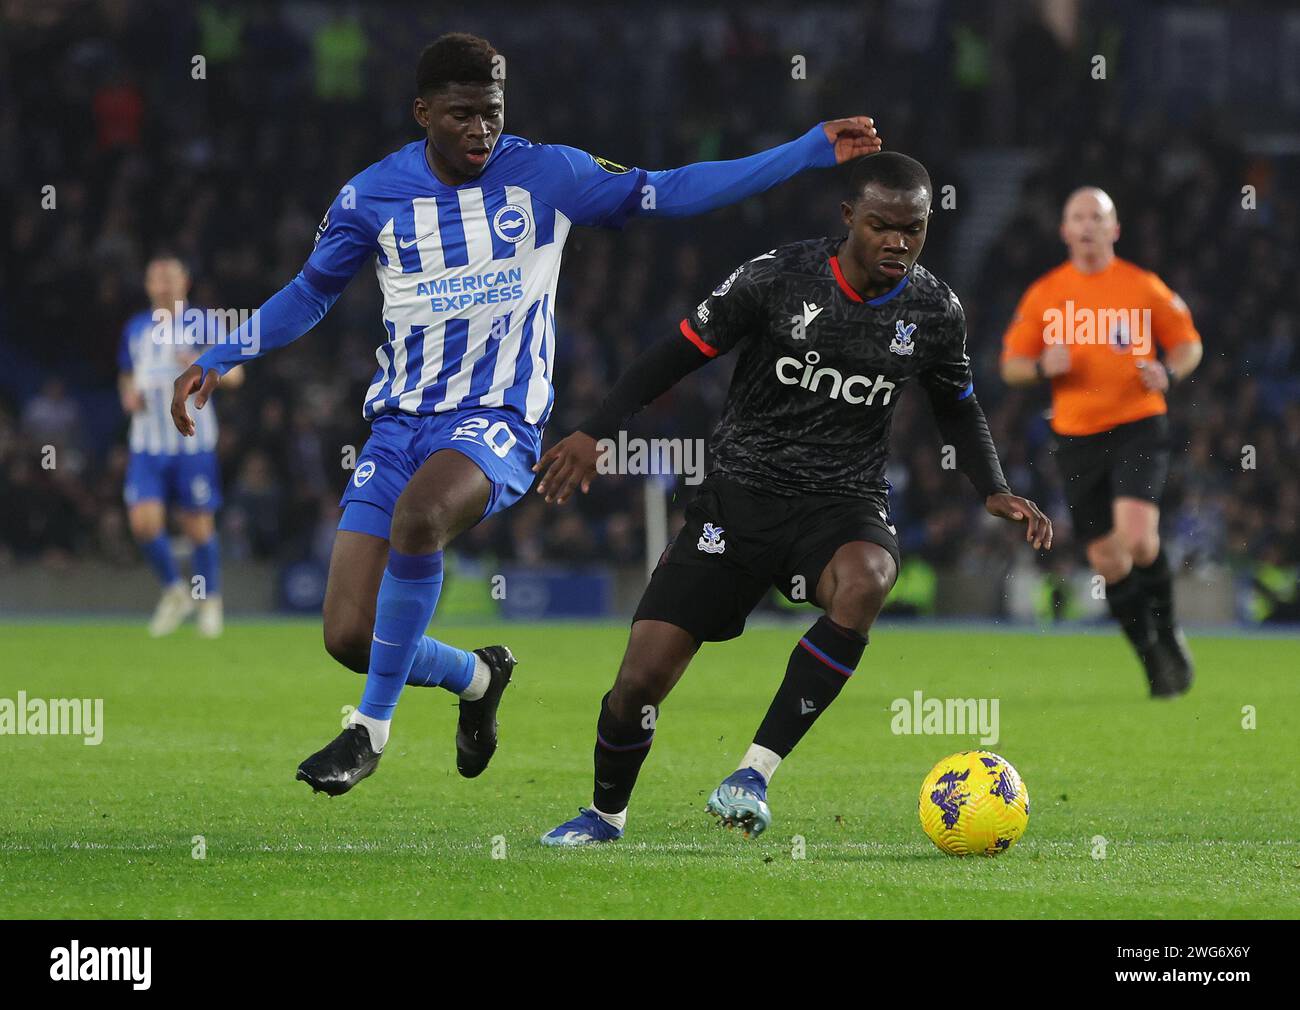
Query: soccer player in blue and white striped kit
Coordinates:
[164,469]
[466,227]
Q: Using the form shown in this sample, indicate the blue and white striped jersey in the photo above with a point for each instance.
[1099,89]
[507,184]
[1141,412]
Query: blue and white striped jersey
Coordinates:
[469,272]
[155,353]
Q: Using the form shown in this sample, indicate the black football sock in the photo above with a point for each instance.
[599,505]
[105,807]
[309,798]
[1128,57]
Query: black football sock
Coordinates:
[620,750]
[819,667]
[1158,581]
[1129,605]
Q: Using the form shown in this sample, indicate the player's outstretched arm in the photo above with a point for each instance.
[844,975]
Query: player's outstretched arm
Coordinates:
[282,319]
[707,185]
[571,462]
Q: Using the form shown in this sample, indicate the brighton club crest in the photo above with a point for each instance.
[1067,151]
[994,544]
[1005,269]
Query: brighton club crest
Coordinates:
[712,542]
[902,342]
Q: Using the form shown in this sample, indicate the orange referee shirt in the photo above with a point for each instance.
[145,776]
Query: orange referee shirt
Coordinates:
[1110,321]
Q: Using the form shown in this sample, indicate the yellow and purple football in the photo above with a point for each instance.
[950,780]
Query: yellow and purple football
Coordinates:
[974,803]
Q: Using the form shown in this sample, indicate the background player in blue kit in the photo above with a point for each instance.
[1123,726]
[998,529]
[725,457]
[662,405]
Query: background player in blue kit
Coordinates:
[467,227]
[165,469]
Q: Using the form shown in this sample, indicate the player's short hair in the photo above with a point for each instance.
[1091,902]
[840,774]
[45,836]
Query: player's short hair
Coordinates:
[169,254]
[456,58]
[889,169]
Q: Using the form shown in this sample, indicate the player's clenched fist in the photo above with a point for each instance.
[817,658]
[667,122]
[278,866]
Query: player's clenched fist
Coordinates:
[570,463]
[1038,529]
[853,137]
[191,381]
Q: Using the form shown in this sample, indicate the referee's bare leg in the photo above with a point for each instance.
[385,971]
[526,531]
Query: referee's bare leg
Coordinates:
[1139,592]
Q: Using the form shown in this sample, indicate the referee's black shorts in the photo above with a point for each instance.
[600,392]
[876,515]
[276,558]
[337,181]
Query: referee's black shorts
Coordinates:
[738,542]
[1128,461]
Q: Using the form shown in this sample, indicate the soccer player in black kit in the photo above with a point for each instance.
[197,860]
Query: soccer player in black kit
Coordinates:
[829,332]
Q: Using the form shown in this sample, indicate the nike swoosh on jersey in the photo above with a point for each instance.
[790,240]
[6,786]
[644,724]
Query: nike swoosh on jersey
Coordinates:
[403,244]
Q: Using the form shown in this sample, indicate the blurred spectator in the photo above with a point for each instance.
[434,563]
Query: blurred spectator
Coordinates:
[52,417]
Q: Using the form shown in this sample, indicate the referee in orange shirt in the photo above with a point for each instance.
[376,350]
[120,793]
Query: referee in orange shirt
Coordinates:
[1091,328]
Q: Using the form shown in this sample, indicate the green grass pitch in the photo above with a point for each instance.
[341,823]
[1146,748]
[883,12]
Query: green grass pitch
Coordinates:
[203,739]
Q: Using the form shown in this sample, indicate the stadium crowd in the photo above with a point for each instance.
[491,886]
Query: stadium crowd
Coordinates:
[233,167]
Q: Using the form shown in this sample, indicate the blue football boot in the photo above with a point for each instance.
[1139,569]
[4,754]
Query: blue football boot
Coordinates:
[588,828]
[741,801]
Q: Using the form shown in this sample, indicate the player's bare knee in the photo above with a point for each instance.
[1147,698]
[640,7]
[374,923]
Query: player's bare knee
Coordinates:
[1144,548]
[418,528]
[859,594]
[349,645]
[1110,559]
[638,687]
[145,533]
[145,526]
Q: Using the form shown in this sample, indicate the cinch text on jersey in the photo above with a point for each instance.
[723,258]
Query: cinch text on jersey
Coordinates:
[839,387]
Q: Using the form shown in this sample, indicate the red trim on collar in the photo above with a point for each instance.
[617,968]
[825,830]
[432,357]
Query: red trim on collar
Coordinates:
[839,278]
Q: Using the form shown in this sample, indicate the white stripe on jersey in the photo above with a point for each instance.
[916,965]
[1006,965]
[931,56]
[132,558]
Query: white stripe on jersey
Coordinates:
[474,223]
[399,349]
[389,245]
[538,385]
[384,355]
[428,240]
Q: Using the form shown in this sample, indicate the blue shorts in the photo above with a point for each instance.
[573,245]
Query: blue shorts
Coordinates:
[190,481]
[504,446]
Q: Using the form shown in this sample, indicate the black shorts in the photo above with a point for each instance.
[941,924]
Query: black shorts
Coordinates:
[738,542]
[1128,461]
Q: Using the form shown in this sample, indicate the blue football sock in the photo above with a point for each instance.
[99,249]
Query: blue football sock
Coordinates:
[439,665]
[408,595]
[158,552]
[207,563]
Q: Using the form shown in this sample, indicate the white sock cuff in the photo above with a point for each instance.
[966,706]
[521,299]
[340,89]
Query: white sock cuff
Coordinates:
[377,728]
[618,820]
[762,760]
[478,681]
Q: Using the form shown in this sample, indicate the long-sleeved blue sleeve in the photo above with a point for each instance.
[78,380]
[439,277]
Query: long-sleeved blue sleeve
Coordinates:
[707,185]
[282,319]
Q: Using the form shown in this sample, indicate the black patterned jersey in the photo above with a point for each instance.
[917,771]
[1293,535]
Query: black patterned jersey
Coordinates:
[821,368]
